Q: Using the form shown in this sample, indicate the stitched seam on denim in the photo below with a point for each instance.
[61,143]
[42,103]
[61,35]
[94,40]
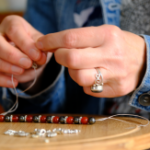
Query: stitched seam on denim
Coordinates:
[104,12]
[111,17]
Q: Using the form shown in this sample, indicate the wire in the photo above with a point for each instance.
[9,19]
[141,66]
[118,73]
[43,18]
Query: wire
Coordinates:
[16,104]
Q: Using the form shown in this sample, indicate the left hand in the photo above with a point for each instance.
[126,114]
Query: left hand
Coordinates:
[119,55]
[17,43]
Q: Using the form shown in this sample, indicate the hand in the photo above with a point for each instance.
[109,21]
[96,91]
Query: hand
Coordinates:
[18,51]
[119,55]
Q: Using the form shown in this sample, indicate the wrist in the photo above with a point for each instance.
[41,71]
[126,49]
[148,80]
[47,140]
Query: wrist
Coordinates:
[138,44]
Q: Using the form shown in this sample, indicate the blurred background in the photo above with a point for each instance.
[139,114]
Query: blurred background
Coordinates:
[8,7]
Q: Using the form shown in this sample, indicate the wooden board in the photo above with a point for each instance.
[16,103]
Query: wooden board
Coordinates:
[105,135]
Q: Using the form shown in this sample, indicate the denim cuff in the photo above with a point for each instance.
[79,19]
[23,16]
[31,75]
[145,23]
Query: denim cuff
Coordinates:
[145,84]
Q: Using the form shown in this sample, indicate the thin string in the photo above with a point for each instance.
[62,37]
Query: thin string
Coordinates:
[15,106]
[131,115]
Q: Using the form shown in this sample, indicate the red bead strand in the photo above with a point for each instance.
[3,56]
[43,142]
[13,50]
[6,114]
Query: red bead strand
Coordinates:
[48,119]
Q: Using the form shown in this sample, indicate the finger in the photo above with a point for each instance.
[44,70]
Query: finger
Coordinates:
[6,67]
[73,38]
[17,33]
[5,81]
[43,59]
[12,55]
[35,34]
[87,77]
[39,62]
[30,75]
[80,58]
[107,92]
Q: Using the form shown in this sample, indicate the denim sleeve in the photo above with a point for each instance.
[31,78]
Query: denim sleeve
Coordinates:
[41,15]
[141,96]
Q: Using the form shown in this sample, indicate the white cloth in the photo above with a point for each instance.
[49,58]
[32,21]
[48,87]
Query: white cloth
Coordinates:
[81,18]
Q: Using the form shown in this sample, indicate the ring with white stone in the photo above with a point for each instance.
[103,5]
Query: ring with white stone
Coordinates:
[98,86]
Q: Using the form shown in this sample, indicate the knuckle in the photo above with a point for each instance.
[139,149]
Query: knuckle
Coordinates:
[10,56]
[7,20]
[69,39]
[78,77]
[81,79]
[10,19]
[12,29]
[113,32]
[72,58]
[2,80]
[24,45]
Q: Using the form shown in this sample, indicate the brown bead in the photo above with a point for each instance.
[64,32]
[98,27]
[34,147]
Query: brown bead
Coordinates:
[76,120]
[62,119]
[92,120]
[22,118]
[7,118]
[36,118]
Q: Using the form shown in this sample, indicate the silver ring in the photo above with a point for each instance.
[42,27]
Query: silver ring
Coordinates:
[98,86]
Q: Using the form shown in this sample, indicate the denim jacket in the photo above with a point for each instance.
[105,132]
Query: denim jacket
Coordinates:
[63,95]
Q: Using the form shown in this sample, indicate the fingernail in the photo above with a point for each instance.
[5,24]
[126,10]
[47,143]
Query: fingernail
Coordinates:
[40,45]
[34,53]
[16,69]
[25,62]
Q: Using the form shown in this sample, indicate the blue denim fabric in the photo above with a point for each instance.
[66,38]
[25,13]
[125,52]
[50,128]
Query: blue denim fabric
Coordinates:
[64,95]
[145,85]
[111,11]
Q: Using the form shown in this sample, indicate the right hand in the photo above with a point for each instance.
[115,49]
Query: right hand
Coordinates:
[17,51]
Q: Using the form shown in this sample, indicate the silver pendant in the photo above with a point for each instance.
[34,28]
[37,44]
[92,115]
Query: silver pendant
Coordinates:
[97,88]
